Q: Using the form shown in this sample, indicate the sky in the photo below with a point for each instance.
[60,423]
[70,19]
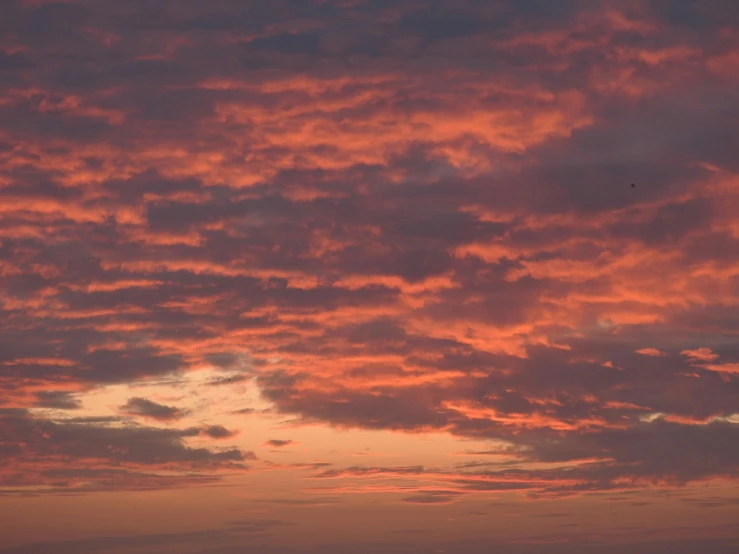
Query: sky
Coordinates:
[372,276]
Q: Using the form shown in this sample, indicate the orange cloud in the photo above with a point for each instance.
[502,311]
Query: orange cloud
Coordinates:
[465,219]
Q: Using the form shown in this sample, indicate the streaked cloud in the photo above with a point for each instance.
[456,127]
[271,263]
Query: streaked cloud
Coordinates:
[147,408]
[359,224]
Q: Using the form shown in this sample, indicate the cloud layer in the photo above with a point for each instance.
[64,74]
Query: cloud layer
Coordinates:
[396,216]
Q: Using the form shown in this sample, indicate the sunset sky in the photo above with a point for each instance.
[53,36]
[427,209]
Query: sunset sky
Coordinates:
[369,276]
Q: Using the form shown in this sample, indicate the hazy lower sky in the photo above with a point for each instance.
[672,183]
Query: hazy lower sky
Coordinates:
[369,276]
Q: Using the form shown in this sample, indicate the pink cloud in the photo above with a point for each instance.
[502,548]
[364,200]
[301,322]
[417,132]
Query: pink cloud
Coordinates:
[399,218]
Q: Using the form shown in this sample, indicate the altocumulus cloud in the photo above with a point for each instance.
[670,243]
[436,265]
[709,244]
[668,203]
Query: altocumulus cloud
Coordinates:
[394,216]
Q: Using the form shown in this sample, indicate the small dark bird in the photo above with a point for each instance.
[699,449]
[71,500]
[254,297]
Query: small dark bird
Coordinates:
[632,185]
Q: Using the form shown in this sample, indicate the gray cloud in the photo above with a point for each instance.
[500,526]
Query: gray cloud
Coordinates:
[279,443]
[60,400]
[134,452]
[147,408]
[218,432]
